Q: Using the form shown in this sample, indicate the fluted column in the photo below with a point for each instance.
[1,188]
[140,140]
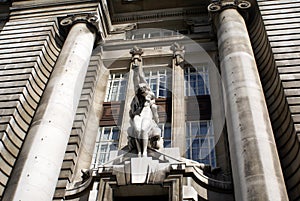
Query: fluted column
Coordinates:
[38,166]
[178,103]
[255,163]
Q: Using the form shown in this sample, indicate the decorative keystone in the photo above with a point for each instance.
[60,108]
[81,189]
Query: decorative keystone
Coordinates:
[178,53]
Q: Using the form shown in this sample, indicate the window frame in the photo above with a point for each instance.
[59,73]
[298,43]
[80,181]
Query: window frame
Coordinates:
[204,141]
[200,70]
[166,75]
[110,87]
[102,141]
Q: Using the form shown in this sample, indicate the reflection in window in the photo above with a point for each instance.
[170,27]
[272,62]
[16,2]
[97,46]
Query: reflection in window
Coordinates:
[200,142]
[166,134]
[196,80]
[107,140]
[150,33]
[159,80]
[116,87]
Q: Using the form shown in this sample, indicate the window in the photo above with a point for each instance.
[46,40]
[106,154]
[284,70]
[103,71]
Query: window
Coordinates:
[200,142]
[166,134]
[159,80]
[116,87]
[196,80]
[142,34]
[107,140]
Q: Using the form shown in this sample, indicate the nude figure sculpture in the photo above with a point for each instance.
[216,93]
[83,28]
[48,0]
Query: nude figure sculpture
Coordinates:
[143,115]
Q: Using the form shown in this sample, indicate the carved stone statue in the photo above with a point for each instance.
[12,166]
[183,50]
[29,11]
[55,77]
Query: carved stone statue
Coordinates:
[143,114]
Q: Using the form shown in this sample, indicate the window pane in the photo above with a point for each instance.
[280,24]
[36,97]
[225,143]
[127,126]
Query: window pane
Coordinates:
[108,141]
[117,87]
[196,79]
[199,145]
[158,80]
[115,133]
[103,148]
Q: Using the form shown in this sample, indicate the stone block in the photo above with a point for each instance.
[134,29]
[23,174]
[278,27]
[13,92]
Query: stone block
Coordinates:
[9,146]
[3,178]
[65,174]
[62,183]
[189,193]
[70,156]
[13,137]
[173,152]
[4,166]
[113,155]
[2,188]
[16,129]
[119,172]
[67,165]
[139,170]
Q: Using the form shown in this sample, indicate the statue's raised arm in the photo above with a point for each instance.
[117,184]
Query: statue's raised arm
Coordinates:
[138,74]
[143,112]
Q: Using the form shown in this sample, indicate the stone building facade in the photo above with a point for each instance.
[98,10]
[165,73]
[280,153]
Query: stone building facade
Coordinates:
[224,74]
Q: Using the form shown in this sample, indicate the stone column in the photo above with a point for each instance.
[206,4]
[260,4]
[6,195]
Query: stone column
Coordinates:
[89,136]
[130,93]
[255,163]
[38,166]
[178,102]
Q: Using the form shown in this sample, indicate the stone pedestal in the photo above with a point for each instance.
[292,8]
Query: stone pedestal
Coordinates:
[140,169]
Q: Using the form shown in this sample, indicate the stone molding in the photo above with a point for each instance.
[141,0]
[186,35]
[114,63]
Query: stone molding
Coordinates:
[157,14]
[166,169]
[178,53]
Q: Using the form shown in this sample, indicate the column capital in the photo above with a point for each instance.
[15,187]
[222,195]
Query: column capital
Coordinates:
[136,53]
[178,53]
[91,19]
[220,5]
[217,6]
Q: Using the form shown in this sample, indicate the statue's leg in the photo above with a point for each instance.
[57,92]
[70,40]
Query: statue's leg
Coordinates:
[145,145]
[146,127]
[155,113]
[137,122]
[138,147]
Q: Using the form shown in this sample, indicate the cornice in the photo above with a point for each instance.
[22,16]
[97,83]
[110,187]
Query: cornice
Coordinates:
[157,14]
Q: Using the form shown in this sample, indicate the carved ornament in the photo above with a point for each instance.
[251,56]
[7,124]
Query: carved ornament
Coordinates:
[178,53]
[136,53]
[91,19]
[220,5]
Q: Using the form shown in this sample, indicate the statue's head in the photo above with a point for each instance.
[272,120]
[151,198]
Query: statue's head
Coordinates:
[143,88]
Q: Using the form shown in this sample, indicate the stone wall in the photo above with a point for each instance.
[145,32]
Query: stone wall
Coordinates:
[30,43]
[275,42]
[281,20]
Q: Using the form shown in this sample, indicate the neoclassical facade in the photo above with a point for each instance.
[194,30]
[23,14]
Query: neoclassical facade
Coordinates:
[224,76]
